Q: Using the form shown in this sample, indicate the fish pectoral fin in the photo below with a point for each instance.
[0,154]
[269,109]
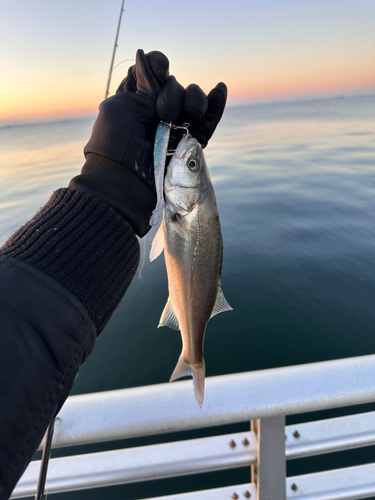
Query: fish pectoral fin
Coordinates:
[168,317]
[180,226]
[221,303]
[196,371]
[157,245]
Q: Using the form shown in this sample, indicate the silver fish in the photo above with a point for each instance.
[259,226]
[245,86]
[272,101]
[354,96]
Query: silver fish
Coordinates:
[190,235]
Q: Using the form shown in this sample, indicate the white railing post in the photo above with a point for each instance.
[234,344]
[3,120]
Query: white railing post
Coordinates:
[269,473]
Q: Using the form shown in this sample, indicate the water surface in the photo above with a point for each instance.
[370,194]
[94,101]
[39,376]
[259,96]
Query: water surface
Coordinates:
[295,186]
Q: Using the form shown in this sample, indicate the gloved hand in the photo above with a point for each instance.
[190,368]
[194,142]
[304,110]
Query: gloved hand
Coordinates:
[202,112]
[119,154]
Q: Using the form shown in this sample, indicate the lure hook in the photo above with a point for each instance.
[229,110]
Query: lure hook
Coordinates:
[184,126]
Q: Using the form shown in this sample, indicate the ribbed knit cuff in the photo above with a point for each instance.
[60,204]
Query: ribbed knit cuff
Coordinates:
[84,245]
[120,188]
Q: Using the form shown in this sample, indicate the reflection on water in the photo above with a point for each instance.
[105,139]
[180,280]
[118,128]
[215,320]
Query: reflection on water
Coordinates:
[296,192]
[35,160]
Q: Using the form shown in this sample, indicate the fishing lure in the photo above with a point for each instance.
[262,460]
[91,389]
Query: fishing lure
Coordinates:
[162,135]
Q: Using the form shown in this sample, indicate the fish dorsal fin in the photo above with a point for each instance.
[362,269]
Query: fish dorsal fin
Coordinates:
[221,303]
[180,226]
[157,246]
[168,317]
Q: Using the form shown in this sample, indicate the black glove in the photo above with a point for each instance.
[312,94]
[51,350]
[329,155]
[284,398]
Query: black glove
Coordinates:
[202,112]
[119,154]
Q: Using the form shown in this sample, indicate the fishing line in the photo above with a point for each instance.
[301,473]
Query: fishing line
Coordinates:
[117,65]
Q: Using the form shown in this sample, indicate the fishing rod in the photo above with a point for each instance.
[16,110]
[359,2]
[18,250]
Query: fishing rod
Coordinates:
[114,50]
[39,495]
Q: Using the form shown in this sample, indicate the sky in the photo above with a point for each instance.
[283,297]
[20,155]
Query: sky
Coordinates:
[55,56]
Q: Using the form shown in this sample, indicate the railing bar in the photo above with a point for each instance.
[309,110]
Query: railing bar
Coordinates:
[330,435]
[242,491]
[351,483]
[326,436]
[229,399]
[108,468]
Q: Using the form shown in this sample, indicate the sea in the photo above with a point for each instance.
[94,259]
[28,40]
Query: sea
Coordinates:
[295,185]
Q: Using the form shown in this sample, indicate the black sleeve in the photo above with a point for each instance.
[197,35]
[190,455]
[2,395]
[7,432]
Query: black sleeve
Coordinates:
[61,277]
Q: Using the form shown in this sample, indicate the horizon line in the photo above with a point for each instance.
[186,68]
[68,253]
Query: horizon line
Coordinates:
[19,122]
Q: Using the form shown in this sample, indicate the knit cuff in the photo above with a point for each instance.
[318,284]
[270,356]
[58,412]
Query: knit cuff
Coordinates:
[120,188]
[84,245]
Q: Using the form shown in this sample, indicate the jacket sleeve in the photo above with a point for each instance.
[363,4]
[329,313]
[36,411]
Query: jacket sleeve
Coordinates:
[61,277]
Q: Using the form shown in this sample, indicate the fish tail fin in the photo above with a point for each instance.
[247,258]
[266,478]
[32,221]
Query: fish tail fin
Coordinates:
[198,382]
[197,371]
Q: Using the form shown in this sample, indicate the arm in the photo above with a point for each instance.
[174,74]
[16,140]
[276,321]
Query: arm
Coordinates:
[64,272]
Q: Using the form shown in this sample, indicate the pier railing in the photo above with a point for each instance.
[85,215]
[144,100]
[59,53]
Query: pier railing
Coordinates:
[263,398]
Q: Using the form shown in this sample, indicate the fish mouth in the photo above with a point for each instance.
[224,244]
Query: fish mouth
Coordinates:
[185,147]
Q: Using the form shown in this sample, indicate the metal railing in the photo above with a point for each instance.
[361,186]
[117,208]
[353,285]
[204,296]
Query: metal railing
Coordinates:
[263,398]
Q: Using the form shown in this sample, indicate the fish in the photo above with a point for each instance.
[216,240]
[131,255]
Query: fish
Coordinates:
[190,236]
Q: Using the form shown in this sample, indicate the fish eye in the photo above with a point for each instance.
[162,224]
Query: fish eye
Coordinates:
[193,164]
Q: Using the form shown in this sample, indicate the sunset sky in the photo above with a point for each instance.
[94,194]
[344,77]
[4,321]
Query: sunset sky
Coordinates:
[55,56]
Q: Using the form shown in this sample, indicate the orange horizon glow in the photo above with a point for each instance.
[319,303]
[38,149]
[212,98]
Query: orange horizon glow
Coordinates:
[263,92]
[235,95]
[64,112]
[55,103]
[52,102]
[263,51]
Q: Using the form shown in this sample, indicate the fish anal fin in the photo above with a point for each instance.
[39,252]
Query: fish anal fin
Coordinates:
[197,371]
[157,245]
[221,304]
[180,226]
[168,317]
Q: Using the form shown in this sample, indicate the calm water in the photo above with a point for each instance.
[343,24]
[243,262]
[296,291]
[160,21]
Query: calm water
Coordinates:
[295,184]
